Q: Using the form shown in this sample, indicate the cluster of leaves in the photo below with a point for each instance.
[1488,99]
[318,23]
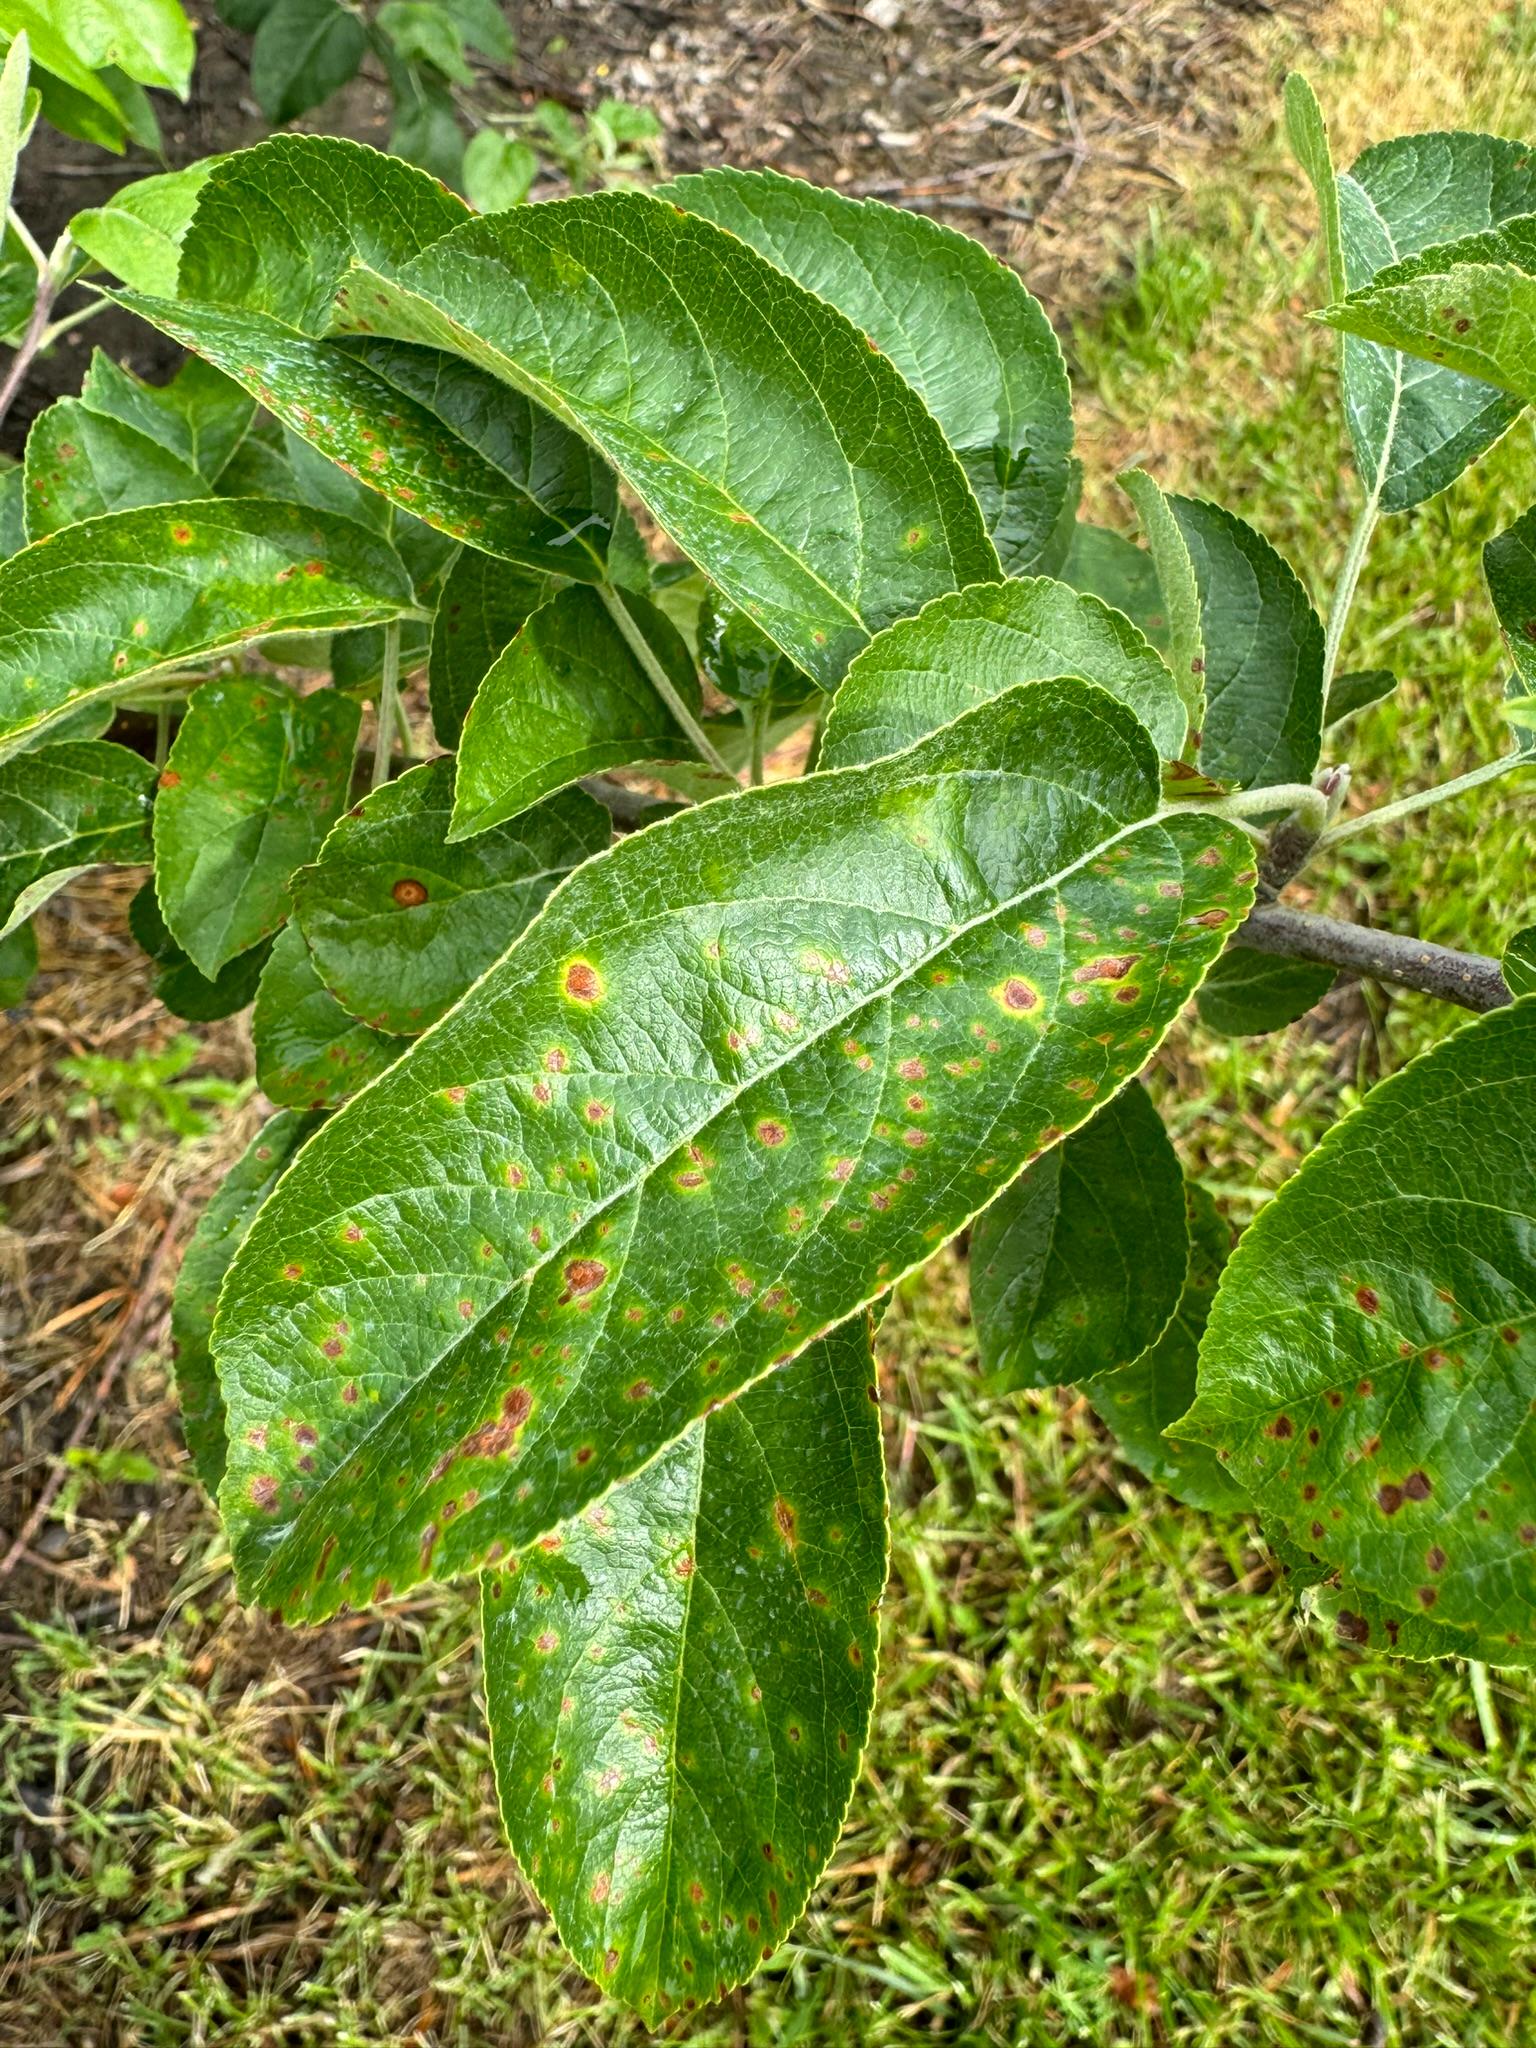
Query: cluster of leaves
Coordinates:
[595,1153]
[433,55]
[93,59]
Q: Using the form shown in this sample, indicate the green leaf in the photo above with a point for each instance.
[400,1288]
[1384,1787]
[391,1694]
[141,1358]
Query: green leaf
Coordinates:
[958,325]
[426,33]
[968,647]
[1248,992]
[426,127]
[483,604]
[304,50]
[744,1071]
[483,25]
[13,116]
[1356,690]
[63,809]
[80,464]
[1519,962]
[1509,567]
[148,40]
[744,663]
[1308,134]
[1263,652]
[277,226]
[432,435]
[13,532]
[498,171]
[1102,563]
[18,964]
[309,1052]
[726,1596]
[184,991]
[90,612]
[1370,1363]
[56,63]
[137,234]
[1077,1267]
[400,922]
[201,417]
[255,778]
[783,455]
[566,698]
[219,1234]
[1179,591]
[1416,425]
[1138,1401]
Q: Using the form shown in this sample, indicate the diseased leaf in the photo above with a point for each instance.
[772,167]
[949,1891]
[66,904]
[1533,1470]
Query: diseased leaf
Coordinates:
[63,809]
[781,453]
[137,234]
[959,326]
[277,226]
[1248,992]
[1356,690]
[201,417]
[1263,652]
[303,51]
[743,1072]
[1140,1400]
[219,1234]
[566,698]
[484,603]
[1102,563]
[88,613]
[434,436]
[727,1596]
[1368,1367]
[1179,591]
[1519,962]
[18,964]
[254,779]
[309,1052]
[400,923]
[1077,1267]
[80,464]
[968,647]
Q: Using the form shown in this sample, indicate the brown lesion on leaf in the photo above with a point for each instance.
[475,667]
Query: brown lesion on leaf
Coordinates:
[1111,967]
[583,1277]
[408,892]
[492,1439]
[785,1521]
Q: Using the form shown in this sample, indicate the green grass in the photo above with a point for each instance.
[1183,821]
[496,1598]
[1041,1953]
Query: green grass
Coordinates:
[1118,1791]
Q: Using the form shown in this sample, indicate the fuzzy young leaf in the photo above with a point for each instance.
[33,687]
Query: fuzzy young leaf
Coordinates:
[968,647]
[63,809]
[400,922]
[219,1234]
[1248,992]
[90,612]
[1370,1363]
[1077,1267]
[1140,1400]
[727,1596]
[483,604]
[1263,652]
[310,1053]
[782,454]
[959,326]
[744,1071]
[566,699]
[80,464]
[254,779]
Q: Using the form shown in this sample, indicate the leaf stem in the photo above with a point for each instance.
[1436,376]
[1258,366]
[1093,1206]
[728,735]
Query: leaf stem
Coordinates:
[1349,577]
[1482,1698]
[1472,980]
[657,676]
[1422,799]
[1279,796]
[162,732]
[387,708]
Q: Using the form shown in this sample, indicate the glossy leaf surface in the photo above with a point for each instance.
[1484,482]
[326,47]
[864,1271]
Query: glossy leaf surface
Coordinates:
[64,808]
[968,647]
[137,233]
[679,1686]
[744,1071]
[200,416]
[781,453]
[1077,1267]
[310,1053]
[1370,1364]
[219,1234]
[253,782]
[400,922]
[1248,992]
[958,325]
[80,464]
[89,612]
[567,698]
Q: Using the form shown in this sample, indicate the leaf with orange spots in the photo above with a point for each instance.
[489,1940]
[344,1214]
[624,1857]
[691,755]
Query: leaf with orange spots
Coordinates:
[567,698]
[220,1231]
[963,649]
[81,463]
[1370,1365]
[400,922]
[310,1052]
[89,613]
[958,324]
[679,1686]
[742,1072]
[1078,1265]
[254,779]
[63,809]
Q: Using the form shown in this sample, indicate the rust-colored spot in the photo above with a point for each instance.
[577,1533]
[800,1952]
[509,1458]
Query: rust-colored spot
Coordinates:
[332,1347]
[1352,1628]
[1428,1595]
[491,1439]
[1417,1486]
[770,1131]
[584,1454]
[263,1492]
[582,1277]
[546,1642]
[583,983]
[1365,1389]
[683,1569]
[1528,1533]
[1435,1360]
[428,1544]
[855,1654]
[1017,995]
[601,1886]
[1435,1558]
[1281,1427]
[1211,919]
[181,535]
[1113,967]
[349,1393]
[408,892]
[785,1518]
[1510,1335]
[1369,1299]
[169,779]
[1389,1498]
[293,1272]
